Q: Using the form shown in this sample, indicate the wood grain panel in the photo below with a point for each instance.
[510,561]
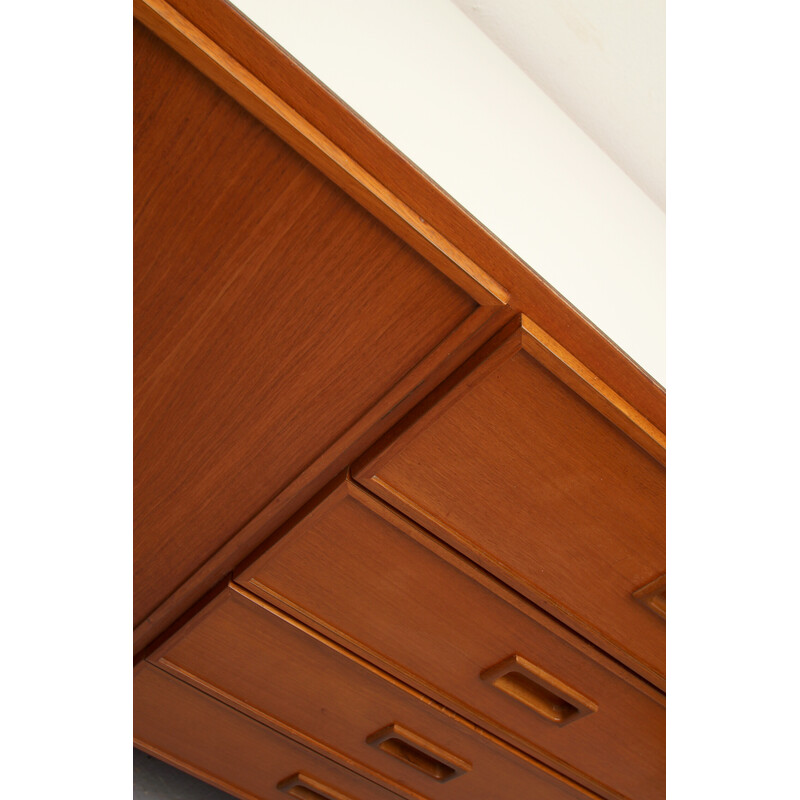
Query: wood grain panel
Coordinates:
[183,726]
[267,62]
[250,653]
[527,464]
[390,591]
[309,142]
[279,328]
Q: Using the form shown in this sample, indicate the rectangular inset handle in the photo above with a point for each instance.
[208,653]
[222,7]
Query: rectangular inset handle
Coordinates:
[543,693]
[304,788]
[653,595]
[425,756]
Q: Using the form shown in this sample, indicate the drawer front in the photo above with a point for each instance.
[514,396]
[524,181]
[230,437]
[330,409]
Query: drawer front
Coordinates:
[532,468]
[279,670]
[182,725]
[353,566]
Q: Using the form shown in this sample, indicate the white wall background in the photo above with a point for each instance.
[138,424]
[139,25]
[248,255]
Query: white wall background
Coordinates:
[448,97]
[603,62]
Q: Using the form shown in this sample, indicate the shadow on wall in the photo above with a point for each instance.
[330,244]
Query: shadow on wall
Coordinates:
[155,780]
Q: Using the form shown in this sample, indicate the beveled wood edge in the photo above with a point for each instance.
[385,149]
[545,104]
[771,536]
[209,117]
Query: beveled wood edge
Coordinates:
[646,594]
[349,649]
[468,335]
[224,70]
[531,294]
[520,334]
[578,377]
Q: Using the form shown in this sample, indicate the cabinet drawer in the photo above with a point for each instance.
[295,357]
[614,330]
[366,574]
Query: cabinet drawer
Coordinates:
[212,741]
[277,669]
[354,567]
[529,465]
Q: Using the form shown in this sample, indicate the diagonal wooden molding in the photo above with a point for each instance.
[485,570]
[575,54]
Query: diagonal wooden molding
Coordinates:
[432,210]
[295,130]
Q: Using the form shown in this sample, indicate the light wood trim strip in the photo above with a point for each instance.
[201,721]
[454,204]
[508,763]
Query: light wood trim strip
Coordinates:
[548,352]
[530,293]
[265,105]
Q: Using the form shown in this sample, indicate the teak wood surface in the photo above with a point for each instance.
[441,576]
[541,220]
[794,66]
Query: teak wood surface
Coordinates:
[299,289]
[279,93]
[254,53]
[272,667]
[206,738]
[355,569]
[528,465]
[279,328]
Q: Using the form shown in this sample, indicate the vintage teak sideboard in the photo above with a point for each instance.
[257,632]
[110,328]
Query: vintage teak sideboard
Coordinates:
[399,508]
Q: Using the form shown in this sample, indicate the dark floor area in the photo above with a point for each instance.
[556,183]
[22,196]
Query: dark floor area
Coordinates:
[155,780]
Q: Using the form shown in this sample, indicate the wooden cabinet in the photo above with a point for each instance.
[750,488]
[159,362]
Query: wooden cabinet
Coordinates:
[278,326]
[398,507]
[357,569]
[275,668]
[212,741]
[526,465]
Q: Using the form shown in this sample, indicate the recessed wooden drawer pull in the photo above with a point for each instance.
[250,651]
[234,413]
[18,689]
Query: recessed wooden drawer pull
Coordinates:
[653,595]
[429,758]
[305,788]
[541,692]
